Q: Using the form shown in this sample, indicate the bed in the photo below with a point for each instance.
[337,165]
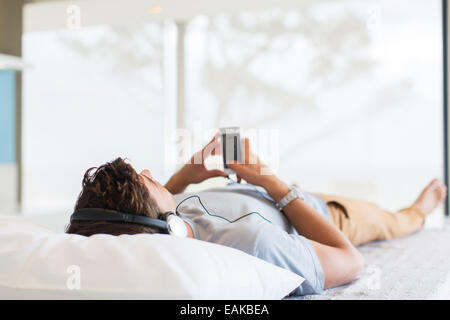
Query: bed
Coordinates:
[413,267]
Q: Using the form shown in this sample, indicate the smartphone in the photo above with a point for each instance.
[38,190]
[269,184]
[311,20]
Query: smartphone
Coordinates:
[231,147]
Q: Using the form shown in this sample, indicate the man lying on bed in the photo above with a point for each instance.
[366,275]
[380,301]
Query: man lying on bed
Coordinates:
[314,235]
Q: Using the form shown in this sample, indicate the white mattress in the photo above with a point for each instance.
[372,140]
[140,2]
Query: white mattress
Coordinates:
[413,267]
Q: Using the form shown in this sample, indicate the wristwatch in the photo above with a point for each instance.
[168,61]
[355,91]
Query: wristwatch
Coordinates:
[295,193]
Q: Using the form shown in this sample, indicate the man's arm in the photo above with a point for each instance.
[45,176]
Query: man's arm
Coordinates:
[195,170]
[177,183]
[340,260]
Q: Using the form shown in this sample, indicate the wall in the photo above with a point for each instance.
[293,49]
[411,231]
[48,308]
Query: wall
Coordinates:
[8,167]
[10,106]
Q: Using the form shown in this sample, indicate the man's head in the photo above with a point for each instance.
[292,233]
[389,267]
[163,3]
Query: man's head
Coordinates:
[117,186]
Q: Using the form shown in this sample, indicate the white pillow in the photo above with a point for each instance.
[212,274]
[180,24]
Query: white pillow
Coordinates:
[36,263]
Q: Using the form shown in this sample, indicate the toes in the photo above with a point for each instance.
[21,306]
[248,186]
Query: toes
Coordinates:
[432,184]
[443,192]
[435,184]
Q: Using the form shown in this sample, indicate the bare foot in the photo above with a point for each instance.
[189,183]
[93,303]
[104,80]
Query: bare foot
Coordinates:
[433,195]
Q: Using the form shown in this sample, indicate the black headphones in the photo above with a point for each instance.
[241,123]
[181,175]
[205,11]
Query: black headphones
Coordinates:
[168,223]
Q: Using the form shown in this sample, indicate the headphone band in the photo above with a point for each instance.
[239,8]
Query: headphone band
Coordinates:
[96,214]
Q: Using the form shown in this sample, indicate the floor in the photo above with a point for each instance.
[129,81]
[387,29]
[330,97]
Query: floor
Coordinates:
[413,267]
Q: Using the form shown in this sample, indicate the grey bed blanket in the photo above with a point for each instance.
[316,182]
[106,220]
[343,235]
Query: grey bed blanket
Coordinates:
[413,267]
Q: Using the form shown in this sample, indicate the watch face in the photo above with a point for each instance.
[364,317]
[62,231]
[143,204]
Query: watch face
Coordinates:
[177,226]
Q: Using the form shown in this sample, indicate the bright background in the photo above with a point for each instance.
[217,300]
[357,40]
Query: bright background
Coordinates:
[351,89]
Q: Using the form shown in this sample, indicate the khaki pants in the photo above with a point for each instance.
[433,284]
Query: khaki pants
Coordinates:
[363,221]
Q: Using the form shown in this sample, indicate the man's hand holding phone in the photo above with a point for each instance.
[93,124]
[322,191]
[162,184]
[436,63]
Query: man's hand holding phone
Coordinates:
[251,169]
[255,172]
[248,166]
[238,158]
[195,170]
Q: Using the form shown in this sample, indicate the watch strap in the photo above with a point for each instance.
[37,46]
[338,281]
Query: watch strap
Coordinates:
[293,194]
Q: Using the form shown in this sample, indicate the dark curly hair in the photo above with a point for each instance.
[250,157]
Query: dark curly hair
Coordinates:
[114,186]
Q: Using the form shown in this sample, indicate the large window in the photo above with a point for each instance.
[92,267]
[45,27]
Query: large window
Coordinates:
[90,96]
[354,89]
[351,89]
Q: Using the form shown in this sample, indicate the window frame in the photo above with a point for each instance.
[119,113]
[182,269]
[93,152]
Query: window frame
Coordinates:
[445,97]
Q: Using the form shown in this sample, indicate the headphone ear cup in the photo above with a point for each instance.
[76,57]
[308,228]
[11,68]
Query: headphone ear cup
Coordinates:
[176,225]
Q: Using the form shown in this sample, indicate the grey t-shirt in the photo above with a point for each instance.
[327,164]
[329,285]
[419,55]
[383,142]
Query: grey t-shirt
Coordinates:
[261,230]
